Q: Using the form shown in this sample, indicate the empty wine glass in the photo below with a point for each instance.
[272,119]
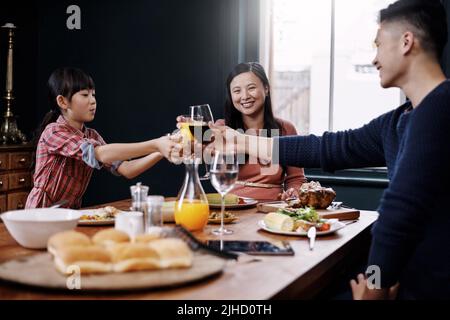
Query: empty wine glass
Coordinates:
[203,111]
[224,173]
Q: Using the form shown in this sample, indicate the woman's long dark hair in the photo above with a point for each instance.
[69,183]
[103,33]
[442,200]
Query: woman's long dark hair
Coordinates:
[65,82]
[233,118]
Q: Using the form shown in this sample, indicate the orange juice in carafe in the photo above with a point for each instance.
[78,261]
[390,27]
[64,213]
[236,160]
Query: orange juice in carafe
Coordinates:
[191,207]
[192,215]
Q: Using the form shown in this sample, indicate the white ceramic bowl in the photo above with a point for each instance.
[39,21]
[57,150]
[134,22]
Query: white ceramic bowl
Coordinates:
[31,228]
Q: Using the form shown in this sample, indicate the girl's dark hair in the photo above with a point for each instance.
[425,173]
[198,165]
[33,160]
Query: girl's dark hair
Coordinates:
[65,82]
[233,118]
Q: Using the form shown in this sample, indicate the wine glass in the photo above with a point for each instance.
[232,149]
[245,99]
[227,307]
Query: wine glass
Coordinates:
[224,173]
[203,111]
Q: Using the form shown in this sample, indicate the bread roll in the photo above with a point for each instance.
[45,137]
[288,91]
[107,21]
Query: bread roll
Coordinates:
[145,238]
[67,239]
[278,221]
[172,252]
[109,237]
[134,257]
[90,259]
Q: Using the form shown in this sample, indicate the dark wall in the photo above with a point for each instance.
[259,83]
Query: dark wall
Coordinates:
[150,61]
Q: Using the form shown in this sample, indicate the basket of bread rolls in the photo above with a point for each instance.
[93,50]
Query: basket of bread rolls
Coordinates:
[112,251]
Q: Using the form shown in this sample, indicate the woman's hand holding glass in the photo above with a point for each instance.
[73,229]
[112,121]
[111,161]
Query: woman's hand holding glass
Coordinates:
[225,138]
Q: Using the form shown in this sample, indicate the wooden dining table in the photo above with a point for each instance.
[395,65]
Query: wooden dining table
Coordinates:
[302,276]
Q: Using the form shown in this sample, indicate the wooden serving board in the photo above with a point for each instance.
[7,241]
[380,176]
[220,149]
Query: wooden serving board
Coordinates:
[39,271]
[341,214]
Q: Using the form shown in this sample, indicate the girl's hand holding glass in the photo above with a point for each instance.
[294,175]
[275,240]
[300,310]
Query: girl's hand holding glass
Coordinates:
[190,128]
[166,144]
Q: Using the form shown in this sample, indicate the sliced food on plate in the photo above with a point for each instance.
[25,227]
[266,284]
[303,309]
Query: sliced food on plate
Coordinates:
[107,213]
[298,221]
[228,217]
[230,199]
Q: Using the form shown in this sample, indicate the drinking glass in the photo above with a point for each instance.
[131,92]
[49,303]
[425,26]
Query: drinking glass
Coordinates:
[224,173]
[188,129]
[203,111]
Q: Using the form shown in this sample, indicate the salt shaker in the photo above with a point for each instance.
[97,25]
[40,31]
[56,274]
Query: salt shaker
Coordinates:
[139,194]
[154,205]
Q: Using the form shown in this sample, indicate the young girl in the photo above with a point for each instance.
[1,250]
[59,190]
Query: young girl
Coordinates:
[67,151]
[248,106]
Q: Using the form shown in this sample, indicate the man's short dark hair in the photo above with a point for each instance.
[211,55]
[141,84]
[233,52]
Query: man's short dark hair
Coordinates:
[428,17]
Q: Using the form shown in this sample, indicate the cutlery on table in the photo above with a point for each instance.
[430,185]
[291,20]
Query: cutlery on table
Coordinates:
[336,205]
[312,237]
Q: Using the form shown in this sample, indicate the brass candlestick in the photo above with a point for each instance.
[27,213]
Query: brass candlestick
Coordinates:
[9,132]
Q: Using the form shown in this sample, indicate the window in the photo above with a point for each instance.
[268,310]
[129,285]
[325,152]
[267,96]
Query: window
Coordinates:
[318,55]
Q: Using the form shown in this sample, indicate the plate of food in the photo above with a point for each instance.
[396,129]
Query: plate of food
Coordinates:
[297,222]
[101,216]
[228,217]
[232,201]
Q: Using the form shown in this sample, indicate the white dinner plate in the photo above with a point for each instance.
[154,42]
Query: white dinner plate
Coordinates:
[335,226]
[105,222]
[248,202]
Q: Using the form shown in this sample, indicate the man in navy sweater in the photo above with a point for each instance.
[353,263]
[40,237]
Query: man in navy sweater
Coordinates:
[411,238]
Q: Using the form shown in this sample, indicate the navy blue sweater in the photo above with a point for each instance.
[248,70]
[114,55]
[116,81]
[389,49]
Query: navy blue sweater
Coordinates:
[411,238]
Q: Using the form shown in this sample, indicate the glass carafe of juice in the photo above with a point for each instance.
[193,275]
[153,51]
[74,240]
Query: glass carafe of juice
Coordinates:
[191,207]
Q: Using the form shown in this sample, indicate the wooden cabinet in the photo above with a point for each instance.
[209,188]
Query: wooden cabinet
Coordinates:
[17,200]
[3,204]
[15,176]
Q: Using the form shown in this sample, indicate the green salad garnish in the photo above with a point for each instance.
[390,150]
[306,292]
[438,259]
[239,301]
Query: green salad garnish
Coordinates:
[308,214]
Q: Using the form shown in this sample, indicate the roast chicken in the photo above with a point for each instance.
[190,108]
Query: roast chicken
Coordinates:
[312,194]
